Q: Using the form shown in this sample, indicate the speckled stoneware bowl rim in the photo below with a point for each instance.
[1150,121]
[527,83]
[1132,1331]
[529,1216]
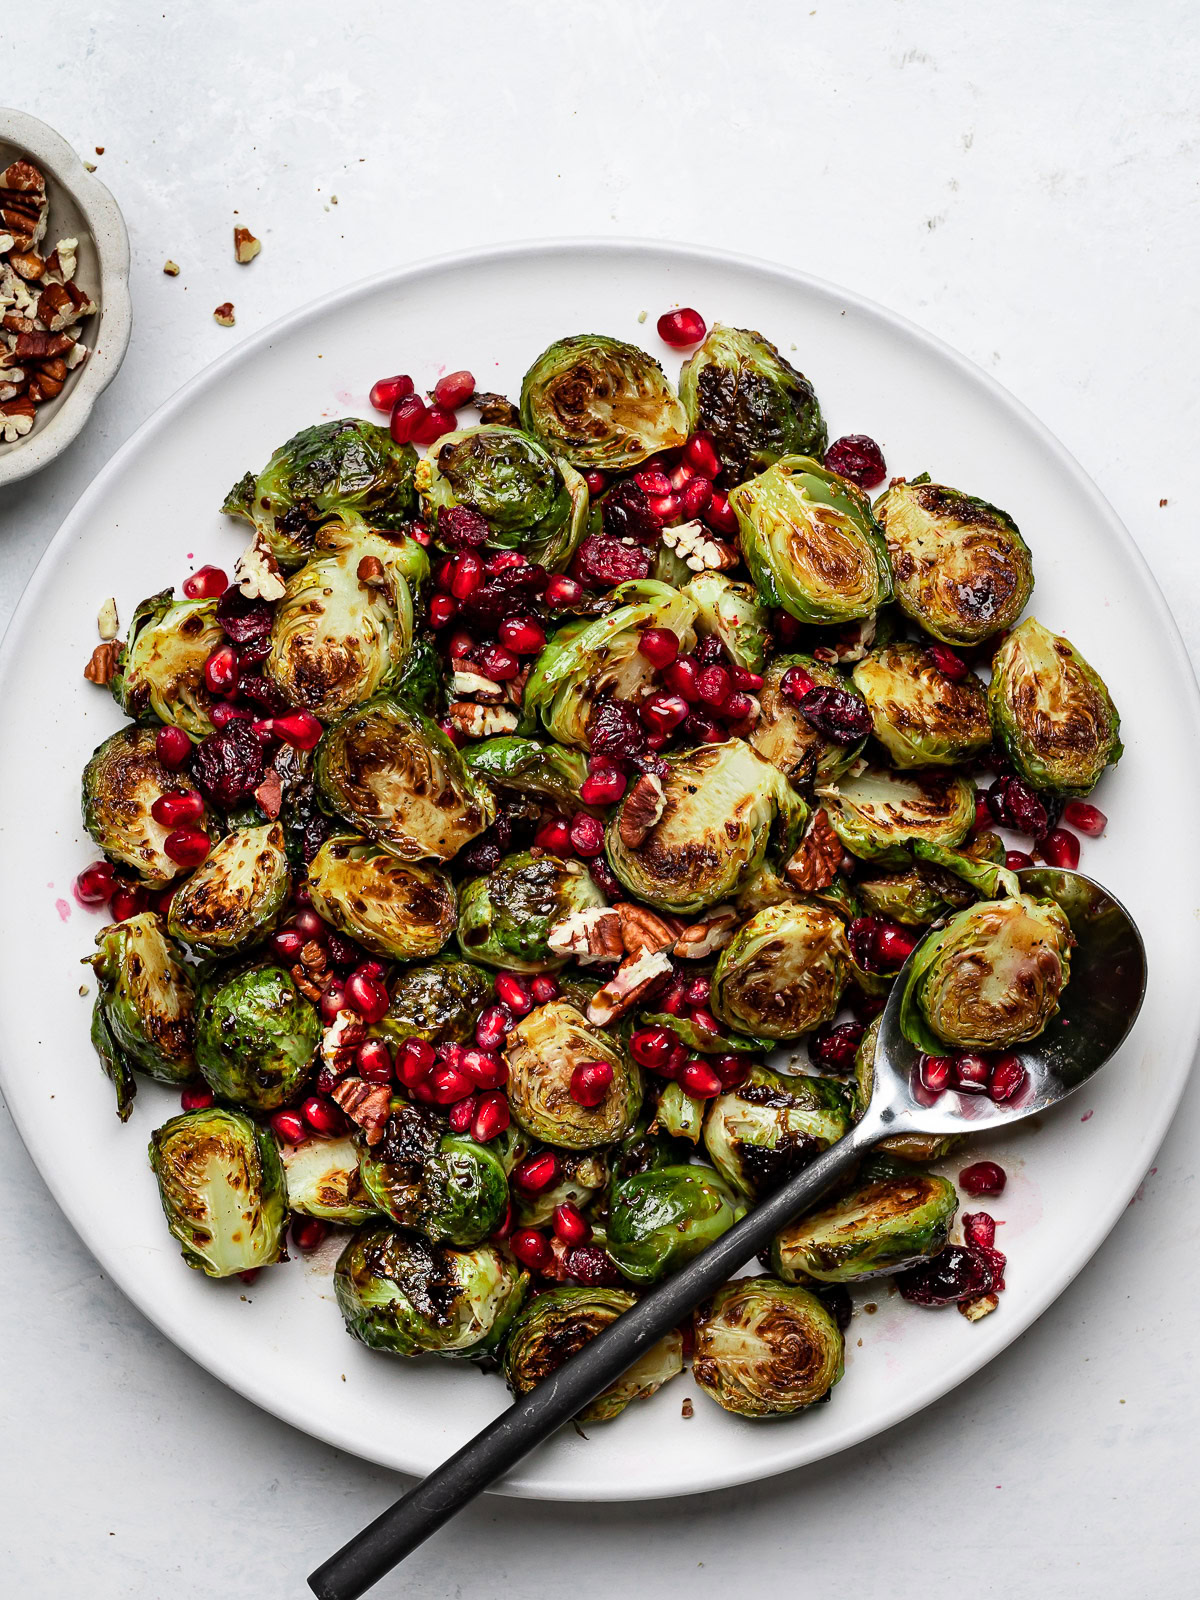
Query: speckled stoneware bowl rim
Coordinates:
[108,334]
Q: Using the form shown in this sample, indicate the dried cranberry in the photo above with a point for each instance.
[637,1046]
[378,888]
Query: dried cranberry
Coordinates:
[1015,805]
[959,1272]
[590,1265]
[861,931]
[460,528]
[979,1228]
[502,595]
[604,878]
[262,692]
[615,729]
[228,766]
[835,1297]
[832,1049]
[856,456]
[984,1177]
[244,621]
[710,652]
[627,515]
[838,714]
[603,561]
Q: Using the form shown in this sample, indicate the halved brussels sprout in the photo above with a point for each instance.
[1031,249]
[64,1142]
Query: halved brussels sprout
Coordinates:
[679,1114]
[235,895]
[979,865]
[443,1185]
[394,776]
[526,766]
[921,717]
[531,502]
[222,1190]
[646,1147]
[762,1133]
[990,978]
[658,1220]
[788,739]
[400,1293]
[600,402]
[161,672]
[1052,712]
[765,1348]
[960,566]
[543,1051]
[440,1001]
[907,1146]
[337,637]
[596,658]
[120,784]
[581,1177]
[703,1040]
[735,614]
[888,1221]
[812,543]
[323,1181]
[756,406]
[419,685]
[256,1034]
[723,805]
[505,919]
[347,469]
[144,1015]
[783,972]
[879,815]
[394,908]
[555,1326]
[916,897]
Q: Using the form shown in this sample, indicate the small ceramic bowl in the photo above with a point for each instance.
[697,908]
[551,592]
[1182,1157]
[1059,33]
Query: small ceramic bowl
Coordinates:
[80,208]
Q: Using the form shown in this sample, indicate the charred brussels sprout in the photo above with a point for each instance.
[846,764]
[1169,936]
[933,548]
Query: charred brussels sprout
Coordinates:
[659,1220]
[888,1221]
[394,776]
[256,1034]
[783,972]
[120,784]
[599,402]
[788,739]
[346,469]
[916,897]
[144,1013]
[440,1002]
[394,908]
[879,815]
[581,1177]
[544,771]
[400,1293]
[161,671]
[555,1326]
[543,1051]
[344,627]
[505,919]
[733,612]
[419,685]
[1051,711]
[812,543]
[766,1348]
[722,806]
[762,1133]
[445,1186]
[906,1146]
[323,1181]
[961,567]
[756,406]
[222,1190]
[235,895]
[921,717]
[594,659]
[990,978]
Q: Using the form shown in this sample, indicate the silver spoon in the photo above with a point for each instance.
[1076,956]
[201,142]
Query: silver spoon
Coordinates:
[1099,1006]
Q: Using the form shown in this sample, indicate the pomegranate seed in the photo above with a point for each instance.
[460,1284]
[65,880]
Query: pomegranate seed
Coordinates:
[699,729]
[415,1061]
[367,996]
[665,506]
[187,847]
[698,991]
[683,678]
[696,498]
[300,729]
[985,1177]
[485,1068]
[286,944]
[454,390]
[407,416]
[983,813]
[323,1117]
[95,884]
[492,1027]
[662,713]
[172,747]
[587,835]
[308,923]
[466,576]
[786,629]
[430,428]
[590,1082]
[699,1079]
[570,1224]
[681,328]
[461,645]
[893,945]
[603,788]
[713,686]
[462,1114]
[160,900]
[659,646]
[373,1061]
[1007,1079]
[522,635]
[935,1072]
[221,670]
[652,481]
[970,1073]
[1017,860]
[444,574]
[223,713]
[737,708]
[732,1070]
[796,683]
[308,1233]
[536,1173]
[561,592]
[205,583]
[127,901]
[596,481]
[333,1000]
[196,1098]
[289,1126]
[704,1022]
[510,991]
[544,989]
[446,1085]
[701,453]
[532,1249]
[680,476]
[720,516]
[443,608]
[385,392]
[498,664]
[554,836]
[1059,848]
[498,1235]
[178,806]
[492,1117]
[856,456]
[651,1047]
[948,662]
[673,1002]
[979,1229]
[1087,819]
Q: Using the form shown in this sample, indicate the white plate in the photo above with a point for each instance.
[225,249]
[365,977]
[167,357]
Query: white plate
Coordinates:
[152,514]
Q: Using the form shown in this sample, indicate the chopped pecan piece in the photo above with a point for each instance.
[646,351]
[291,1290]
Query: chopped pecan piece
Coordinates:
[28,265]
[107,622]
[61,305]
[309,989]
[477,686]
[629,986]
[370,572]
[171,268]
[257,572]
[38,346]
[47,380]
[480,722]
[593,934]
[696,547]
[981,1306]
[340,1040]
[269,794]
[224,314]
[643,930]
[364,1103]
[102,668]
[707,936]
[245,246]
[23,206]
[643,806]
[818,856]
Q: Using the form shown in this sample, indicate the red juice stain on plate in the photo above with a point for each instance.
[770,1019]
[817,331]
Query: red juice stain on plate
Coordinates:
[63,908]
[1086,1116]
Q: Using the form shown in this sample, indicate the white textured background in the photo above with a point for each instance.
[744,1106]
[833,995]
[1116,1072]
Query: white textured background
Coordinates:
[1020,179]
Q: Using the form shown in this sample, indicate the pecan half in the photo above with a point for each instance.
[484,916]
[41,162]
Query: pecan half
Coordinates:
[310,990]
[102,668]
[818,856]
[642,808]
[629,985]
[364,1103]
[645,931]
[712,933]
[590,935]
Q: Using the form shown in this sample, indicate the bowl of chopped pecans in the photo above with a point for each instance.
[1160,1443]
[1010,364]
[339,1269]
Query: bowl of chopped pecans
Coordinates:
[65,314]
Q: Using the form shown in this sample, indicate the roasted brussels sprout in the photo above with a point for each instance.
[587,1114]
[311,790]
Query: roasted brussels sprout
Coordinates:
[879,815]
[400,1293]
[706,1041]
[440,1002]
[599,402]
[543,1051]
[548,772]
[916,897]
[1052,712]
[323,1181]
[762,1133]
[581,1177]
[723,805]
[144,1015]
[679,1114]
[445,1186]
[783,972]
[960,566]
[222,1190]
[757,407]
[555,1326]
[120,784]
[907,1146]
[161,670]
[505,919]
[394,908]
[658,1220]
[979,865]
[889,1220]
[419,685]
[530,501]
[235,895]
[766,1348]
[735,614]
[921,717]
[990,978]
[256,1034]
[344,627]
[594,659]
[394,776]
[788,739]
[347,469]
[812,543]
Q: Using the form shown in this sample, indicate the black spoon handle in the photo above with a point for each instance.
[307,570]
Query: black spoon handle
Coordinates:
[395,1533]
